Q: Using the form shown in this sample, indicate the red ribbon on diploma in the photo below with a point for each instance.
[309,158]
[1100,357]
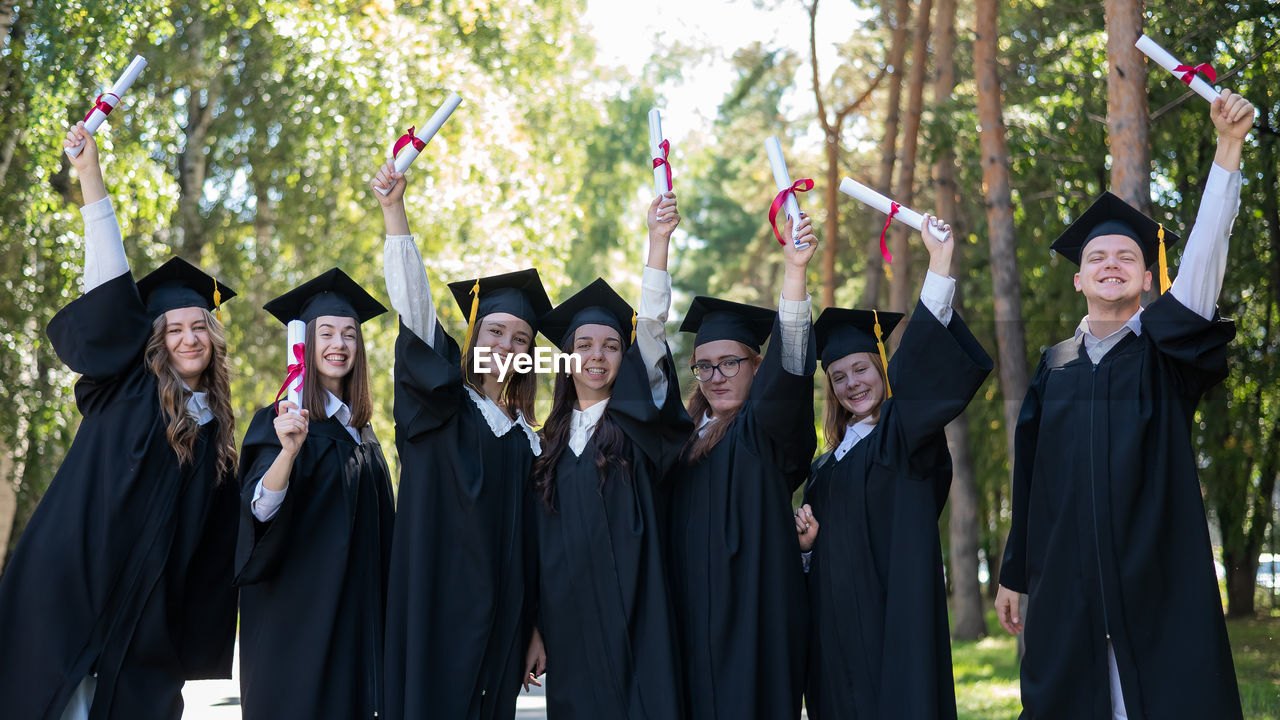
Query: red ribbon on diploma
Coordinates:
[296,371]
[406,139]
[801,185]
[658,162]
[884,247]
[1189,72]
[102,105]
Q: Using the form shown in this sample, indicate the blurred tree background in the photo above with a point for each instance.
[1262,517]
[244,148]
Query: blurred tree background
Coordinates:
[247,144]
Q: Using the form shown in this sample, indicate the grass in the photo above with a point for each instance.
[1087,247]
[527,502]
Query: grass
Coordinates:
[986,671]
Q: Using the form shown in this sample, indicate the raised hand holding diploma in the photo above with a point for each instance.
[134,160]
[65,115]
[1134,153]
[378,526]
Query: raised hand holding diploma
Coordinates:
[1186,73]
[413,142]
[906,215]
[660,149]
[936,234]
[107,101]
[786,189]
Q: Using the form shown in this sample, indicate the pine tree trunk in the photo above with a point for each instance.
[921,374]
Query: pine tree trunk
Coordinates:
[903,282]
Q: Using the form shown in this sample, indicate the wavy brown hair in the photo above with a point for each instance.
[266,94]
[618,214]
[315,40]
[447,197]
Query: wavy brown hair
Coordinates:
[182,429]
[610,442]
[355,386]
[520,390]
[838,417]
[700,446]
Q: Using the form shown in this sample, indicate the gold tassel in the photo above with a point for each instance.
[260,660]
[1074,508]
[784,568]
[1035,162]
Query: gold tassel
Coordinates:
[634,318]
[471,323]
[217,301]
[1164,263]
[884,361]
[888,272]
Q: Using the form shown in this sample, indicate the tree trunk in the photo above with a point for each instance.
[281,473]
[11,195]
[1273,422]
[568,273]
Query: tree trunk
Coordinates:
[1127,113]
[889,142]
[902,282]
[192,161]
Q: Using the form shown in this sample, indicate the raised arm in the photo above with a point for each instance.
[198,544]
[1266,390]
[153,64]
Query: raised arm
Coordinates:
[104,257]
[655,294]
[405,275]
[939,287]
[795,306]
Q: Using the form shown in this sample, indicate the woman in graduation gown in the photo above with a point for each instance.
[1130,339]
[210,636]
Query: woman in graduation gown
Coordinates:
[120,588]
[616,426]
[879,644]
[457,630]
[316,518]
[734,559]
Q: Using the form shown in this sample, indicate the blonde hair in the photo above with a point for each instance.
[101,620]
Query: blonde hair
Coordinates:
[838,417]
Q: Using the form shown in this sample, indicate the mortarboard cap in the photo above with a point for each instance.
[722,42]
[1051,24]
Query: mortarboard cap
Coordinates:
[332,292]
[1109,215]
[714,319]
[596,304]
[840,332]
[517,293]
[178,284]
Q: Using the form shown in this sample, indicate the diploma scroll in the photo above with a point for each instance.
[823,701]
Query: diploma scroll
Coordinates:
[1185,73]
[412,143]
[107,101]
[659,149]
[295,359]
[867,196]
[782,179]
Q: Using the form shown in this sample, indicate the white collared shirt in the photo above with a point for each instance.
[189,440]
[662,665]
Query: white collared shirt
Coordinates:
[583,426]
[1097,347]
[198,406]
[852,435]
[266,503]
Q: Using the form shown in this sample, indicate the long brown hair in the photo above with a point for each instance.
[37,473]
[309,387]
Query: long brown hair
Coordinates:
[838,417]
[700,446]
[610,442]
[355,386]
[520,390]
[182,429]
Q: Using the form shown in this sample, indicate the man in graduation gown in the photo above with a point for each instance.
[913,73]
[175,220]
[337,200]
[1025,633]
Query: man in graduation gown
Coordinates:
[1109,538]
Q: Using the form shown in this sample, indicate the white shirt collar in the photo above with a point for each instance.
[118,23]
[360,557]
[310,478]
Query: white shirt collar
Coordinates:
[498,421]
[704,422]
[852,434]
[584,425]
[198,406]
[338,410]
[1097,347]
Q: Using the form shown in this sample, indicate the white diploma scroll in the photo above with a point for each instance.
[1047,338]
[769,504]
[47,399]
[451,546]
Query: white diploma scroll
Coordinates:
[782,179]
[660,184]
[410,152]
[867,196]
[110,99]
[297,334]
[1170,63]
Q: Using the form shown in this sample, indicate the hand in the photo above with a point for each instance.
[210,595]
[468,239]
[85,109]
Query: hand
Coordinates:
[535,661]
[939,243]
[87,160]
[1232,115]
[803,233]
[387,177]
[291,429]
[806,527]
[1007,610]
[663,217]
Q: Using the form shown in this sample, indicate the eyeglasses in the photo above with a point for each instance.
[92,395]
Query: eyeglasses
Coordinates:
[728,367]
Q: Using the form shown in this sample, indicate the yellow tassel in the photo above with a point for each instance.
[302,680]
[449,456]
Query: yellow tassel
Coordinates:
[217,301]
[634,318]
[883,360]
[888,272]
[471,323]
[1164,263]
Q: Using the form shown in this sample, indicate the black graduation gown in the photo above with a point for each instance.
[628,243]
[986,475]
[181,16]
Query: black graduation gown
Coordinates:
[125,566]
[456,626]
[879,644]
[313,578]
[604,609]
[734,559]
[1109,533]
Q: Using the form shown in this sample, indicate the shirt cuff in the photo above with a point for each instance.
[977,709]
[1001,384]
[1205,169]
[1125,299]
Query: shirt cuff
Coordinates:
[266,503]
[794,318]
[655,294]
[97,210]
[408,286]
[651,329]
[937,294]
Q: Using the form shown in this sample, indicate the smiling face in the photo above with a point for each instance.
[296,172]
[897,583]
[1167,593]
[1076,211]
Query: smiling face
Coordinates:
[725,395]
[600,348]
[335,350]
[1112,271]
[857,383]
[186,336]
[504,334]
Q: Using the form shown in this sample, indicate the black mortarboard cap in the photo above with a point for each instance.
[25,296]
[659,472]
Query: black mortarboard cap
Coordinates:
[518,293]
[596,304]
[332,292]
[1109,215]
[179,284]
[714,319]
[840,332]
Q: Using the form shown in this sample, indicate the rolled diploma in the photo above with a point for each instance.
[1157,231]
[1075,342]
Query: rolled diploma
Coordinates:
[867,196]
[297,334]
[655,149]
[96,116]
[409,153]
[783,180]
[1162,58]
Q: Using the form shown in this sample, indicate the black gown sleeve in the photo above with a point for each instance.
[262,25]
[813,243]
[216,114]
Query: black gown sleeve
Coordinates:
[1013,568]
[209,615]
[101,335]
[428,382]
[657,433]
[1198,347]
[781,408]
[259,550]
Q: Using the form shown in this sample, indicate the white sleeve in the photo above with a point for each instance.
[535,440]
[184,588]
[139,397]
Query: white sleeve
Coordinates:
[266,503]
[937,294]
[408,287]
[104,257]
[1204,261]
[651,328]
[795,318]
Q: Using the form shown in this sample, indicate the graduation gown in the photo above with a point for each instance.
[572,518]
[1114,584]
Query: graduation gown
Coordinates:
[879,643]
[734,559]
[456,626]
[1109,534]
[604,609]
[125,566]
[313,577]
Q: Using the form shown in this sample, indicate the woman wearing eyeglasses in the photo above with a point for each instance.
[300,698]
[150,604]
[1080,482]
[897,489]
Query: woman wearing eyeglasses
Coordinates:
[736,579]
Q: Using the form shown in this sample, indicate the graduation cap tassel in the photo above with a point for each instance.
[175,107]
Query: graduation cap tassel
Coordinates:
[634,317]
[1164,263]
[884,361]
[471,320]
[217,301]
